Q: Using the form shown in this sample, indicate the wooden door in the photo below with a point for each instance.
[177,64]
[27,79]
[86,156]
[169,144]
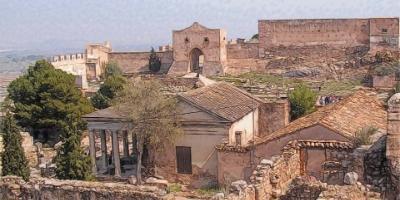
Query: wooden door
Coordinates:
[184,160]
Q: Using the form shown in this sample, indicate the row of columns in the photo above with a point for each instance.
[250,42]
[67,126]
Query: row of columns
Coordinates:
[115,150]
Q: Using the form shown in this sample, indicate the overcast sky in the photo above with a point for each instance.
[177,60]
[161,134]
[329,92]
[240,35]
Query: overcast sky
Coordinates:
[44,24]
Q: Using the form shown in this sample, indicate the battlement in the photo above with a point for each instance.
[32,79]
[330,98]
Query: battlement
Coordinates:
[69,57]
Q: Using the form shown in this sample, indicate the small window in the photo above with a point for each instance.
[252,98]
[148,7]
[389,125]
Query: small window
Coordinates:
[206,40]
[186,40]
[384,30]
[238,138]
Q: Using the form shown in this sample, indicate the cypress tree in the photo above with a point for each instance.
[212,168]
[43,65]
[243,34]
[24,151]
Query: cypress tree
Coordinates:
[154,61]
[13,158]
[71,161]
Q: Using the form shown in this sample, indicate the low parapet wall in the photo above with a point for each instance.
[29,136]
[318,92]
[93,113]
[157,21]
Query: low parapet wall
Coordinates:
[12,187]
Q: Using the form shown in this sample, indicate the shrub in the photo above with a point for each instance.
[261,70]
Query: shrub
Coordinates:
[364,134]
[302,101]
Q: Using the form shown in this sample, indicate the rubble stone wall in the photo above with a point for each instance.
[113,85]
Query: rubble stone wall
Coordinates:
[271,178]
[12,187]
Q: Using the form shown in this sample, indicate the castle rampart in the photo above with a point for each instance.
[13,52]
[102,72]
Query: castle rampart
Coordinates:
[283,47]
[374,33]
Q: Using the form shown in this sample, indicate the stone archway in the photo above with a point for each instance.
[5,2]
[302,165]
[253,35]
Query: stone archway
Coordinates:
[196,60]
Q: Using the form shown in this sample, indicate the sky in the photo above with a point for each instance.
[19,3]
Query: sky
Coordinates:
[138,24]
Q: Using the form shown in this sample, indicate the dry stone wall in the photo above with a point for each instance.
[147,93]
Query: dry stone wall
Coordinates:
[12,187]
[270,179]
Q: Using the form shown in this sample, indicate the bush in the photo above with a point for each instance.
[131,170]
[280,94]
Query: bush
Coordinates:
[173,188]
[302,101]
[112,69]
[108,90]
[364,134]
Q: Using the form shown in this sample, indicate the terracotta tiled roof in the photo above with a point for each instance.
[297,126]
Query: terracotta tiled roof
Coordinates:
[345,117]
[223,100]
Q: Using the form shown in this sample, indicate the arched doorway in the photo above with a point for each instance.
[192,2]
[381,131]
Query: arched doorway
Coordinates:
[196,60]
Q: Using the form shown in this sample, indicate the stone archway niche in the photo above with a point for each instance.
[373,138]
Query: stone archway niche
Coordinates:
[196,60]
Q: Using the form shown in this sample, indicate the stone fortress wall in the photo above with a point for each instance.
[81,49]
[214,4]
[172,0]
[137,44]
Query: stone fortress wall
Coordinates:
[284,47]
[74,64]
[334,32]
[138,62]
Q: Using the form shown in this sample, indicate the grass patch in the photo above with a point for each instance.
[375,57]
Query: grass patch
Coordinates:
[208,192]
[253,78]
[329,87]
[174,188]
[339,87]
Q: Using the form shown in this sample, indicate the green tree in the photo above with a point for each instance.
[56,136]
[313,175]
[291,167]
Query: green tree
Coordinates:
[13,158]
[108,90]
[71,161]
[153,116]
[154,61]
[45,98]
[302,101]
[112,69]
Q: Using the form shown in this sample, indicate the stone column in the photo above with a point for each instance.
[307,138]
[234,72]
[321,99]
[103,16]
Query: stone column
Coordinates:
[393,139]
[115,147]
[126,144]
[92,150]
[103,140]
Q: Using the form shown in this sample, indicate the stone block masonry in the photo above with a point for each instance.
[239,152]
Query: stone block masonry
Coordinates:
[12,187]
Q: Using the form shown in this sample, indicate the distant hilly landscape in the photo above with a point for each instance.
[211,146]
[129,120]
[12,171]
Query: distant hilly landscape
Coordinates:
[12,65]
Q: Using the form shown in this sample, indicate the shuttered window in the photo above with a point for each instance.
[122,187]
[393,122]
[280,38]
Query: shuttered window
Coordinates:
[184,160]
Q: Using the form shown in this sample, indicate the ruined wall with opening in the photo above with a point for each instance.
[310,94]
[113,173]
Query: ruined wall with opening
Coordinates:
[211,42]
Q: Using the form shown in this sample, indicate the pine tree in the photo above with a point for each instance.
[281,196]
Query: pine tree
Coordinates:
[13,158]
[44,96]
